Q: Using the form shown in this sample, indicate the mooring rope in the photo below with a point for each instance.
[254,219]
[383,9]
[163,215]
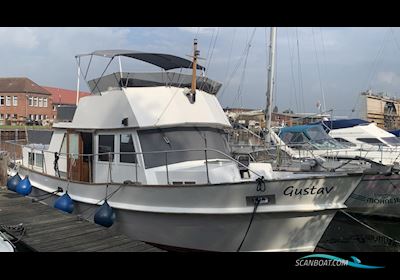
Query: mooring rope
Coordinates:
[256,204]
[15,228]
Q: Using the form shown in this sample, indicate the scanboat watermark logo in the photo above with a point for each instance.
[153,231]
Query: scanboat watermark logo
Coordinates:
[329,260]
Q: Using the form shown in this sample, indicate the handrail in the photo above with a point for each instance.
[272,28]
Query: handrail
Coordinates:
[228,157]
[279,146]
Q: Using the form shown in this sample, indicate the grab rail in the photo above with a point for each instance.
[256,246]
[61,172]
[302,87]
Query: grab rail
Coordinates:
[136,163]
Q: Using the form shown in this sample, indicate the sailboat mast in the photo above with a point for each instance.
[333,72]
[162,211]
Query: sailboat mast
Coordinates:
[270,83]
[77,83]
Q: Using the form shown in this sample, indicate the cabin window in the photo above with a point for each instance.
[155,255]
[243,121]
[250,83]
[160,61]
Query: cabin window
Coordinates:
[39,160]
[192,140]
[345,142]
[372,141]
[63,149]
[106,145]
[126,146]
[392,140]
[294,138]
[31,158]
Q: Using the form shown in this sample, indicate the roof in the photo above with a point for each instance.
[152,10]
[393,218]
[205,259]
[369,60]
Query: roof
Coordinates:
[343,123]
[64,96]
[20,85]
[165,61]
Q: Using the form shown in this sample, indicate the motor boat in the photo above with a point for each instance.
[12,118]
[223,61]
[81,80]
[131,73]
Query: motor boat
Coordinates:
[153,146]
[377,194]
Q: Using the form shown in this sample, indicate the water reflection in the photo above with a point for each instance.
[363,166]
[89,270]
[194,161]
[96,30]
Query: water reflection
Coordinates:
[346,234]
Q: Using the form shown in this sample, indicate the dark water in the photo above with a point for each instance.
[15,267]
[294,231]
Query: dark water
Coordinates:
[346,234]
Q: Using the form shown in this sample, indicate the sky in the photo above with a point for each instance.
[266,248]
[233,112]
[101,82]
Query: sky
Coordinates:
[314,65]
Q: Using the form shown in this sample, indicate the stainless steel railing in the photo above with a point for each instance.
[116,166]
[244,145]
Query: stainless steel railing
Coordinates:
[111,157]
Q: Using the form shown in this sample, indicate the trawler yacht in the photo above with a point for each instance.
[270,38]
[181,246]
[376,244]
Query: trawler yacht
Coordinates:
[152,145]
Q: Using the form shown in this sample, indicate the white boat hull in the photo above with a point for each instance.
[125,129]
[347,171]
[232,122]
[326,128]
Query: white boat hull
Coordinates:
[215,217]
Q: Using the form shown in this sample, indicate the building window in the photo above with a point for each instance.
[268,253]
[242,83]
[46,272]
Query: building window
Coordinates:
[30,101]
[106,145]
[126,146]
[8,100]
[1,116]
[40,102]
[7,116]
[1,100]
[15,100]
[54,107]
[35,101]
[45,102]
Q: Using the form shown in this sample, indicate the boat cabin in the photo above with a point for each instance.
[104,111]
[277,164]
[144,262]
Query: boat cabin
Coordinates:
[145,128]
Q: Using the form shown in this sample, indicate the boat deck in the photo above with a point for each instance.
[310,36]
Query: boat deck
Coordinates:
[50,230]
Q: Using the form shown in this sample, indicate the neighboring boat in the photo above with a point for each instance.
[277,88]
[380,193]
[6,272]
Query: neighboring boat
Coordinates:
[153,146]
[366,136]
[377,194]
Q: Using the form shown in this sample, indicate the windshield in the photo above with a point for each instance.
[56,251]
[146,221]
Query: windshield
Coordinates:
[314,138]
[321,140]
[317,133]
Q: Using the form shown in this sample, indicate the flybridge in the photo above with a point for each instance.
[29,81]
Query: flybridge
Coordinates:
[155,79]
[164,61]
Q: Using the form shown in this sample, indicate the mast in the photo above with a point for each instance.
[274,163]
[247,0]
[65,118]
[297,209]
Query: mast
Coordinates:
[77,85]
[270,83]
[194,67]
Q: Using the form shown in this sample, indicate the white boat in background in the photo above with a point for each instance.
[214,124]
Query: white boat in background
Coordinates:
[378,192]
[366,136]
[153,145]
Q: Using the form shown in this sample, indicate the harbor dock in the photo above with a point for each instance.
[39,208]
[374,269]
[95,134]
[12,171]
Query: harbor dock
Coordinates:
[47,229]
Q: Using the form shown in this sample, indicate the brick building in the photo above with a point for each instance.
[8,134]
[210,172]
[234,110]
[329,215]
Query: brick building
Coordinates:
[21,99]
[62,96]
